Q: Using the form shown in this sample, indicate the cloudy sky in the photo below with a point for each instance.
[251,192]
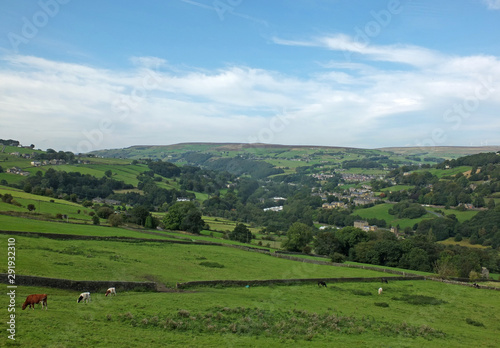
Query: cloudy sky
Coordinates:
[86,75]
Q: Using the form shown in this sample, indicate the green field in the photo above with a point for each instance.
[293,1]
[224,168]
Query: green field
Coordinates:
[168,263]
[344,314]
[381,211]
[407,314]
[14,223]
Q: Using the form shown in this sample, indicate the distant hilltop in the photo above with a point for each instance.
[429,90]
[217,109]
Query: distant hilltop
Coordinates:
[167,151]
[442,150]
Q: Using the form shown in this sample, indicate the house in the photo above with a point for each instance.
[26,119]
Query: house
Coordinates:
[36,163]
[278,208]
[333,205]
[17,171]
[362,225]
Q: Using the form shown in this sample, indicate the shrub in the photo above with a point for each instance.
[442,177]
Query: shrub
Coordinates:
[211,264]
[338,257]
[473,322]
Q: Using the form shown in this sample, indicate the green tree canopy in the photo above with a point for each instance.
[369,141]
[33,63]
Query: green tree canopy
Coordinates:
[184,216]
[298,237]
[241,233]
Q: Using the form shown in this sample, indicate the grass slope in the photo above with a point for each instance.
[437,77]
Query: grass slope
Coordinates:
[168,263]
[407,314]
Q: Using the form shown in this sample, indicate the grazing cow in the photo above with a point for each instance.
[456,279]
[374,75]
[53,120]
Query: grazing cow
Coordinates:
[380,291]
[384,280]
[85,296]
[476,285]
[111,291]
[31,300]
[322,283]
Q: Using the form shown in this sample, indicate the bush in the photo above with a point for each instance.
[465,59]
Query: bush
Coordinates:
[211,264]
[115,220]
[473,275]
[338,257]
[473,322]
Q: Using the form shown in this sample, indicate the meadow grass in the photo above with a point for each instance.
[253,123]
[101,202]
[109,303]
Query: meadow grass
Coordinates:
[396,188]
[414,314]
[165,262]
[22,224]
[440,173]
[464,242]
[460,215]
[381,211]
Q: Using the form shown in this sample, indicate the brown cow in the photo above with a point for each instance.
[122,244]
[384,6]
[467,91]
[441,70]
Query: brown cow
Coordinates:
[31,300]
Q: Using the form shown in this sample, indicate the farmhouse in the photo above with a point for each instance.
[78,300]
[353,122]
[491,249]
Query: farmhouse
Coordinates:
[364,225]
[333,205]
[17,171]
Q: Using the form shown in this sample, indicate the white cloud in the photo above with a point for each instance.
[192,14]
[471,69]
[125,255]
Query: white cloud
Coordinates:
[407,54]
[492,4]
[75,107]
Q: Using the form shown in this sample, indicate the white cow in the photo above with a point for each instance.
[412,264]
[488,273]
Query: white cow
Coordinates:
[85,296]
[111,291]
[380,291]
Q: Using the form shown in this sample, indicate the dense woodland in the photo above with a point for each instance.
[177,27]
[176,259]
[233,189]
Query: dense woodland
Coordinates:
[240,189]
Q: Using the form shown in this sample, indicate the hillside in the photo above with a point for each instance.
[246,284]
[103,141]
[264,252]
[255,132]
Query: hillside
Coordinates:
[273,190]
[163,151]
[228,214]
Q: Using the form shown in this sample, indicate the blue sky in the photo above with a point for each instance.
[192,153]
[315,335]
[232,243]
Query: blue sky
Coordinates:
[87,75]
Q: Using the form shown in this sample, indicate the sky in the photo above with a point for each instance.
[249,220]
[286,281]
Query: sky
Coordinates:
[87,75]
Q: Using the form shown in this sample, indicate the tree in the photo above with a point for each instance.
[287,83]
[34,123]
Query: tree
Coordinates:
[184,216]
[104,212]
[28,188]
[241,233]
[7,198]
[325,243]
[192,222]
[139,214]
[298,237]
[31,207]
[115,220]
[95,220]
[151,222]
[491,204]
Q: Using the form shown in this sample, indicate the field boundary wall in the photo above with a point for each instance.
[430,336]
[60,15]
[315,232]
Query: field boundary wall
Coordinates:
[78,285]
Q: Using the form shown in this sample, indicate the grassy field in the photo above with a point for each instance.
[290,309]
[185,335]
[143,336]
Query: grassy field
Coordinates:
[14,223]
[448,172]
[460,215]
[381,211]
[166,262]
[464,242]
[396,188]
[407,314]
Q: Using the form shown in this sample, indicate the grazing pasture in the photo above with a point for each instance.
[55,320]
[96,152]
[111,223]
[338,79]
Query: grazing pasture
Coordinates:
[381,211]
[347,314]
[163,262]
[13,223]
